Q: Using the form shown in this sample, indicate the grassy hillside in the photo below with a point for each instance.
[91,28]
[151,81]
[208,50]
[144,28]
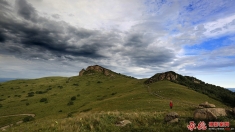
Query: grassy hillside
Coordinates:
[54,99]
[215,92]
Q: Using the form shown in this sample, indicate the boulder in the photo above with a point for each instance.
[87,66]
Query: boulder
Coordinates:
[218,111]
[204,114]
[171,117]
[174,120]
[207,105]
[123,123]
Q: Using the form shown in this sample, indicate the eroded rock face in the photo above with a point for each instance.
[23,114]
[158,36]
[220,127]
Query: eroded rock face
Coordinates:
[171,76]
[96,68]
[81,72]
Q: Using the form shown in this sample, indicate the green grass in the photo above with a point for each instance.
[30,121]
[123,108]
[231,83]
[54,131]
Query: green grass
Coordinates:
[10,120]
[94,94]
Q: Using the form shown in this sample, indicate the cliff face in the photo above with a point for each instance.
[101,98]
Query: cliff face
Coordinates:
[95,68]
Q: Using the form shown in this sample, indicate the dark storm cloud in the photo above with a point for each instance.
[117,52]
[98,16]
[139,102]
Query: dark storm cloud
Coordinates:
[26,10]
[142,55]
[36,37]
[44,35]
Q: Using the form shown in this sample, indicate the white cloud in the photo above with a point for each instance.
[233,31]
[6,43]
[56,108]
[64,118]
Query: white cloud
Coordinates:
[219,27]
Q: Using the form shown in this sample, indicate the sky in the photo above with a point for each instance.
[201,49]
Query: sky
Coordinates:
[138,38]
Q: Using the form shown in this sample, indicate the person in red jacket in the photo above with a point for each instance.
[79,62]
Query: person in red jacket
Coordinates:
[171,104]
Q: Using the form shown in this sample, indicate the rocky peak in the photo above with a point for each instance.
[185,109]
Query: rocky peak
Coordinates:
[170,75]
[95,68]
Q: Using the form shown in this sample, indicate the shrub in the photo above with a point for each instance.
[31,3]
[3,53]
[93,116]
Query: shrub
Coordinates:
[70,103]
[70,115]
[2,99]
[99,82]
[75,84]
[60,87]
[73,98]
[27,104]
[78,95]
[28,118]
[60,110]
[43,100]
[0,105]
[30,94]
[114,93]
[39,92]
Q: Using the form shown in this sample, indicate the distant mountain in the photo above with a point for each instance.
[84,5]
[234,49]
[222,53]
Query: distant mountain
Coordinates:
[215,92]
[6,79]
[231,89]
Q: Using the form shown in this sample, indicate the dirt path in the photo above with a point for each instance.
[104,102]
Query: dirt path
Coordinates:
[18,122]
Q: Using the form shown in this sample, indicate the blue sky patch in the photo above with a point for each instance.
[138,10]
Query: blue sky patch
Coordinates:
[210,44]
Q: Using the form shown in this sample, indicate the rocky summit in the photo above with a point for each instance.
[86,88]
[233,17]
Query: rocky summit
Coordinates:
[96,68]
[170,75]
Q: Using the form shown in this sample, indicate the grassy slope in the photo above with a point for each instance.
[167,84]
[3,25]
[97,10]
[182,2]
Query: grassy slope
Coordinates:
[121,93]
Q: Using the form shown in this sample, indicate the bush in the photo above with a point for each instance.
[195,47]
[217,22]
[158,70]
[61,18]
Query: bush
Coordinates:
[0,105]
[28,118]
[78,95]
[43,100]
[39,92]
[60,87]
[70,115]
[114,93]
[99,82]
[73,98]
[30,94]
[60,110]
[70,103]
[27,104]
[75,84]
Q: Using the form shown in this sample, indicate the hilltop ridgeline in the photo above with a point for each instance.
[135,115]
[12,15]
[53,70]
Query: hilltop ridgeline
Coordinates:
[215,92]
[171,76]
[96,68]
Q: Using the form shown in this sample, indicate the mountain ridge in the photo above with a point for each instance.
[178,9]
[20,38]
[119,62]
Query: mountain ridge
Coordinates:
[213,91]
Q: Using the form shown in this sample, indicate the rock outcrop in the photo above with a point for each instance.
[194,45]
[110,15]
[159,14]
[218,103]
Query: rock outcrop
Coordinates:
[209,113]
[81,72]
[204,114]
[95,68]
[171,117]
[171,76]
[207,105]
[218,111]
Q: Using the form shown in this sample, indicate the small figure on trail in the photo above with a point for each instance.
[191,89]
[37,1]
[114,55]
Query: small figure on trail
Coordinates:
[171,104]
